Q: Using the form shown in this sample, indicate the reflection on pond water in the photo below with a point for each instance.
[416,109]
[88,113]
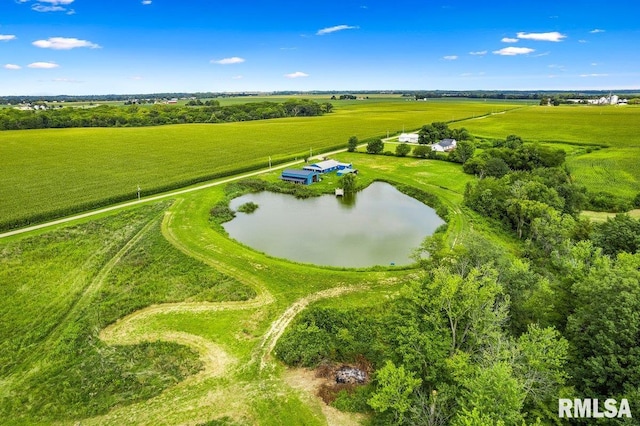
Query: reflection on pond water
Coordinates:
[377,226]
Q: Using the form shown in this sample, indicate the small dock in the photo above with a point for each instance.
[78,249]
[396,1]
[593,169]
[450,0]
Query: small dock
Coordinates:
[339,192]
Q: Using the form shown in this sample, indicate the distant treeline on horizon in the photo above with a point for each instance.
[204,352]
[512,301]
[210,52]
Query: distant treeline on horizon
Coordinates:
[417,94]
[156,115]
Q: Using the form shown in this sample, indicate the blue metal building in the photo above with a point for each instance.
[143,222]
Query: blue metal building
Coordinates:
[306,177]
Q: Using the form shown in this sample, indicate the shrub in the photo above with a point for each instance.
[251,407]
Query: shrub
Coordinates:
[354,400]
[606,202]
[402,150]
[249,207]
[221,213]
[421,151]
[375,146]
[305,346]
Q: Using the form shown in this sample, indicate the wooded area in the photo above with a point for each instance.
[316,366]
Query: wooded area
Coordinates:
[488,335]
[137,116]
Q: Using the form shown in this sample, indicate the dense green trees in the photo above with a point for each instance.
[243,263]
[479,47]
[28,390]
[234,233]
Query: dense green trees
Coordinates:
[492,161]
[395,387]
[604,329]
[375,146]
[421,151]
[134,115]
[463,152]
[436,131]
[619,234]
[443,349]
[352,145]
[348,182]
[518,199]
[403,149]
[494,333]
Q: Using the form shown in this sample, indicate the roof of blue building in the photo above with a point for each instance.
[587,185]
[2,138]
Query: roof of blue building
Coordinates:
[298,173]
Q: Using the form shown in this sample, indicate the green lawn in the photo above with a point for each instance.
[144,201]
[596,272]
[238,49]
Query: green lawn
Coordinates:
[174,281]
[53,172]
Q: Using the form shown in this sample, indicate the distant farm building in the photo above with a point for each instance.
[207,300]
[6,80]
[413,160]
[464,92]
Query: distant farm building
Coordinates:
[409,137]
[305,177]
[327,166]
[445,145]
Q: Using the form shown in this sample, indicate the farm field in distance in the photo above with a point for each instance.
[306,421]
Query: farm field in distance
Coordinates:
[54,172]
[613,169]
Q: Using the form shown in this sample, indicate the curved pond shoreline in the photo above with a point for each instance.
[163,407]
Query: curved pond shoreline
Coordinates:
[379,226]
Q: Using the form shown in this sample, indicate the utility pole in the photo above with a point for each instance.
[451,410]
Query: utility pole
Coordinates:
[138,192]
[269,162]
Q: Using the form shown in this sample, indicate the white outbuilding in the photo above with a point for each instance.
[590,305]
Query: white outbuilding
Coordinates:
[409,137]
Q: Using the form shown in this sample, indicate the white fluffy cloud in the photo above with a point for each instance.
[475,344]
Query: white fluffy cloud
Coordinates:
[44,9]
[450,57]
[513,51]
[50,5]
[56,2]
[228,61]
[330,30]
[551,36]
[146,2]
[478,53]
[64,43]
[12,67]
[509,40]
[7,37]
[596,31]
[593,75]
[43,65]
[297,74]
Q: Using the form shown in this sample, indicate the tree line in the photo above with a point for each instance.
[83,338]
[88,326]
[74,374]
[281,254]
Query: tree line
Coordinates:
[489,335]
[496,330]
[136,116]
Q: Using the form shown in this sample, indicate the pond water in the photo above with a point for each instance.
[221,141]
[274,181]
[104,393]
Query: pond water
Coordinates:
[377,226]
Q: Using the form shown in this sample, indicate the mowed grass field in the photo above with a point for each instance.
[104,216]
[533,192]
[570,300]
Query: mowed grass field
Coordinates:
[54,172]
[614,168]
[152,316]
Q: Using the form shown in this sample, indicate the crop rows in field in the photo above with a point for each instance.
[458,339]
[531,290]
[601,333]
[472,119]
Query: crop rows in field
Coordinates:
[612,126]
[613,169]
[53,172]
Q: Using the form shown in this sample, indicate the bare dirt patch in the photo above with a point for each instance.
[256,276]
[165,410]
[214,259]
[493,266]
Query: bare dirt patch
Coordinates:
[309,384]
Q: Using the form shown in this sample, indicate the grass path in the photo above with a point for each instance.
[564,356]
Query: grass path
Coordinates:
[223,386]
[270,338]
[82,301]
[235,340]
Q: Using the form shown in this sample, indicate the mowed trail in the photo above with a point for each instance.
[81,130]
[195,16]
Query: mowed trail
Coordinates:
[217,362]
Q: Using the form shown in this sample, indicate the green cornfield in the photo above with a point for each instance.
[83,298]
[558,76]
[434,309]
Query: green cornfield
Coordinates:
[609,136]
[55,172]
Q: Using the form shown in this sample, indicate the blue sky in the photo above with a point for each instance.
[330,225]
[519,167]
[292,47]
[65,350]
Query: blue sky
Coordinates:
[76,47]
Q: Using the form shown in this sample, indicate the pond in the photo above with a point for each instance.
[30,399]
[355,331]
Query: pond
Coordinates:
[377,226]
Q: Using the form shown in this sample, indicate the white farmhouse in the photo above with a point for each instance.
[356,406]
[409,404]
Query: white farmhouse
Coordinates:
[445,145]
